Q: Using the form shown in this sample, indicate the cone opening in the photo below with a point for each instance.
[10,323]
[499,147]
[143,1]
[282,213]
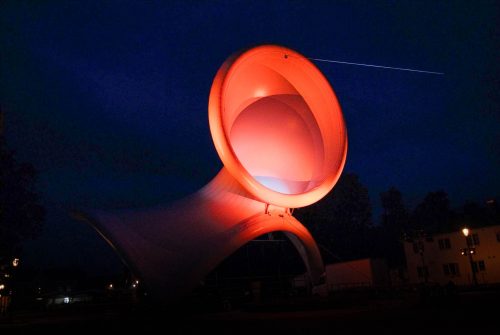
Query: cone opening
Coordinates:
[277,125]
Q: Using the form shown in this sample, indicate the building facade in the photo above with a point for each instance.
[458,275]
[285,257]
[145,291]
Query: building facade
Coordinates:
[442,258]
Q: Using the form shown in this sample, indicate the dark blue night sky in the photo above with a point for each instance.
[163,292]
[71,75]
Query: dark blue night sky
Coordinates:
[108,99]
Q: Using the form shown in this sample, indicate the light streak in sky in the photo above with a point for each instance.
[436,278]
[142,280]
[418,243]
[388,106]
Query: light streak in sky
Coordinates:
[378,66]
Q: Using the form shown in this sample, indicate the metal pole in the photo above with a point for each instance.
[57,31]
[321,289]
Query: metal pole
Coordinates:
[469,251]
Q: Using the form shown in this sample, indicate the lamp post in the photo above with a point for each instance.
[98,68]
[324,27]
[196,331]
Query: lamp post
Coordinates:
[469,251]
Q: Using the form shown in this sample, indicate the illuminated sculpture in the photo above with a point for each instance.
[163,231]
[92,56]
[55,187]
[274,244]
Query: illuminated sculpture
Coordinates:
[279,130]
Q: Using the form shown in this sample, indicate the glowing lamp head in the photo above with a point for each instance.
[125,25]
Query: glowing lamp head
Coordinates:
[465,231]
[277,126]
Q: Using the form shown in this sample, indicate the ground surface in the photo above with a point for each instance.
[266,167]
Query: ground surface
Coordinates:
[464,313]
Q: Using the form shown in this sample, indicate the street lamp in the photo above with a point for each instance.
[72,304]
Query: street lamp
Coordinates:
[469,251]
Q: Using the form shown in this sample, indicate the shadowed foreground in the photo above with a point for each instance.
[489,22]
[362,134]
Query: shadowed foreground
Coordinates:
[465,312]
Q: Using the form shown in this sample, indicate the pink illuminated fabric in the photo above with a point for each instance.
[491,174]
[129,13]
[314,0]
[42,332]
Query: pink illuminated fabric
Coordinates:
[279,130]
[277,126]
[173,248]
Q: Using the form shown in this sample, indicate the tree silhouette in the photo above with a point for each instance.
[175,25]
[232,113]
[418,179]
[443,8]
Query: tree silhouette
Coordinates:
[394,221]
[433,214]
[21,215]
[341,221]
[473,215]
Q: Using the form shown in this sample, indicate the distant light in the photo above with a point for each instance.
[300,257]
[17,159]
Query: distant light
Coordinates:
[465,231]
[137,282]
[134,285]
[15,262]
[66,300]
[110,286]
[2,286]
[7,275]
